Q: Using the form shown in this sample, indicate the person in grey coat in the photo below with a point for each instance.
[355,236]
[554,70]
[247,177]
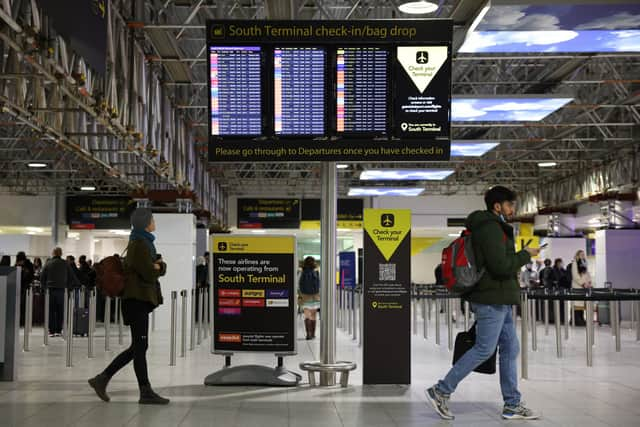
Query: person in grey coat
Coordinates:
[57,276]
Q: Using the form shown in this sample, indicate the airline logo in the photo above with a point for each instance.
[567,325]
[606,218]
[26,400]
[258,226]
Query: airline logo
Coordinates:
[278,293]
[228,311]
[253,293]
[232,338]
[229,293]
[253,302]
[277,303]
[229,302]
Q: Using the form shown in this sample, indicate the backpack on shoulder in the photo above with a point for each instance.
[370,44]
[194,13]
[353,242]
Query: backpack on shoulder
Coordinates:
[460,272]
[110,278]
[309,282]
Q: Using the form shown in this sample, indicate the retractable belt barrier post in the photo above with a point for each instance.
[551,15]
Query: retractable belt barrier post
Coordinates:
[192,338]
[438,305]
[46,317]
[70,297]
[425,319]
[203,311]
[153,321]
[524,353]
[199,316]
[92,322]
[414,313]
[449,324]
[107,323]
[589,332]
[183,323]
[534,325]
[467,309]
[174,328]
[556,316]
[28,313]
[546,318]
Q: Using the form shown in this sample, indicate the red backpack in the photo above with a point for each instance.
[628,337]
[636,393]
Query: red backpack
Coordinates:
[110,277]
[459,270]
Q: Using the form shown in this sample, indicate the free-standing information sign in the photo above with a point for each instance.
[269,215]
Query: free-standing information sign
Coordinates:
[254,287]
[387,296]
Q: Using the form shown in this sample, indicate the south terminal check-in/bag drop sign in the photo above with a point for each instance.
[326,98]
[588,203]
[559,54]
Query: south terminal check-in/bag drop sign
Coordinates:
[254,289]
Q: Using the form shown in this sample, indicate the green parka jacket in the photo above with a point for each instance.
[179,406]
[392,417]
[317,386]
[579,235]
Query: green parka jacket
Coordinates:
[141,278]
[494,248]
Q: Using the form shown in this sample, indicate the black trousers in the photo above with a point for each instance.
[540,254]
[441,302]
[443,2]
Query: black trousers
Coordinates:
[56,310]
[136,352]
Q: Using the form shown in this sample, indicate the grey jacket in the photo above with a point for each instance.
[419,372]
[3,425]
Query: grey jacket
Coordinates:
[58,274]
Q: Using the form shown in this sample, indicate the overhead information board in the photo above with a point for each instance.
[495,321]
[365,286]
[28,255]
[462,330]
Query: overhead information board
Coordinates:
[362,96]
[268,213]
[100,213]
[253,293]
[330,90]
[299,95]
[235,88]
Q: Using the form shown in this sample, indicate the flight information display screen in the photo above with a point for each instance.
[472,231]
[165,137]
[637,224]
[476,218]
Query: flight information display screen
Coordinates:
[299,91]
[362,90]
[236,90]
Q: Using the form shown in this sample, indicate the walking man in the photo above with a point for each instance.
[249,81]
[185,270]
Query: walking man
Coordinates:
[491,300]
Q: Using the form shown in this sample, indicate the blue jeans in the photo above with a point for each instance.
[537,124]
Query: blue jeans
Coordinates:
[494,327]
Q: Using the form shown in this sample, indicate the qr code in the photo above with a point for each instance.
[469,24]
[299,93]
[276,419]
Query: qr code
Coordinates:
[387,272]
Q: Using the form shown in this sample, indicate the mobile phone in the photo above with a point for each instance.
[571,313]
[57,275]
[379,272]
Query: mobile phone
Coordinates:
[544,246]
[526,245]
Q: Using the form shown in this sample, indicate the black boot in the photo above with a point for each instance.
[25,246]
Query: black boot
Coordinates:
[99,384]
[150,397]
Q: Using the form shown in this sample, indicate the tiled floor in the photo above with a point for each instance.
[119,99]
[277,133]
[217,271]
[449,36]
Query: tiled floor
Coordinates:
[564,391]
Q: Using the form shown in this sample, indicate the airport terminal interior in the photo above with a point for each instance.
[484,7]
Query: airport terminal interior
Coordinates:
[319,213]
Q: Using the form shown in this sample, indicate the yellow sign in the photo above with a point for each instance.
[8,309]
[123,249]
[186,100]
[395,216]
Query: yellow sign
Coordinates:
[521,242]
[387,228]
[419,244]
[230,244]
[253,293]
[315,225]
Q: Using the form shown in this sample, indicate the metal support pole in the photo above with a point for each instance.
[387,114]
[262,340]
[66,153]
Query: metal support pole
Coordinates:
[638,323]
[107,322]
[92,322]
[119,320]
[459,315]
[192,338]
[183,323]
[47,297]
[429,307]
[524,352]
[556,315]
[534,325]
[361,315]
[174,328]
[572,314]
[467,313]
[617,323]
[546,318]
[355,311]
[589,333]
[414,313]
[567,313]
[199,315]
[633,315]
[27,317]
[64,317]
[203,315]
[425,319]
[328,238]
[437,314]
[449,324]
[69,331]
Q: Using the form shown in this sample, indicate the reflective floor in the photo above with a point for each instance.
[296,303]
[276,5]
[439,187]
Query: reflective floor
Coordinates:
[564,391]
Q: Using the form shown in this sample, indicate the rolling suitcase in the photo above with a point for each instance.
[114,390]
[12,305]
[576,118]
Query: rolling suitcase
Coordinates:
[81,321]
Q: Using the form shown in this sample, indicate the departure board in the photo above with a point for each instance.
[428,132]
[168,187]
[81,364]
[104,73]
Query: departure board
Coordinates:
[299,91]
[361,90]
[236,90]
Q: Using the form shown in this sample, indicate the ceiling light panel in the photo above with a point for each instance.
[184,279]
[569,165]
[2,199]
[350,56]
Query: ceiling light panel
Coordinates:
[405,174]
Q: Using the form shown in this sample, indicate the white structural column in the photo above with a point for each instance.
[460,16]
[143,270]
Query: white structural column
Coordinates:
[176,242]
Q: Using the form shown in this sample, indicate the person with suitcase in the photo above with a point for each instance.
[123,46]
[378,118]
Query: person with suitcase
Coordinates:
[141,295]
[491,300]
